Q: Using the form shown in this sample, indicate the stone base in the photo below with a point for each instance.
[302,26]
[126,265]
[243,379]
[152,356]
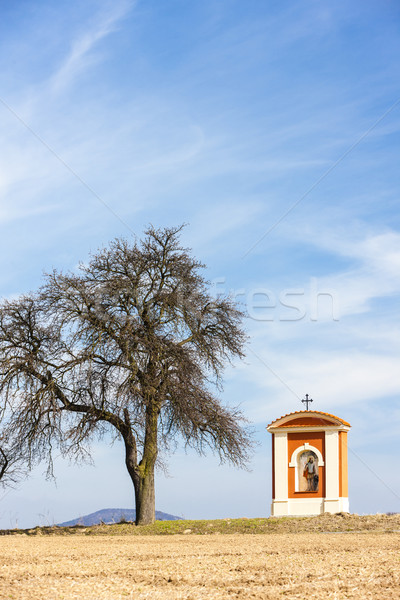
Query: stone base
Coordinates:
[336,505]
[308,506]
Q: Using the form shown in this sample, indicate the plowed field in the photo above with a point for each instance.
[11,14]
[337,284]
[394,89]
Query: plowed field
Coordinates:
[291,566]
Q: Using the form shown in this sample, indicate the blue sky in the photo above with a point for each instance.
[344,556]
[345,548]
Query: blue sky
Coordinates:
[273,130]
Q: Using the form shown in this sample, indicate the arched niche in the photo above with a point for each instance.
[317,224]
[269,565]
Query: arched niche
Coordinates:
[295,462]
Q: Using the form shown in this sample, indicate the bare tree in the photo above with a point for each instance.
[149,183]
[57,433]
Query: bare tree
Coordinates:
[12,460]
[134,343]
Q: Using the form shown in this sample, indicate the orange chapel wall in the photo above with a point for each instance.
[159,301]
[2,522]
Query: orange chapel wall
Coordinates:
[316,439]
[343,468]
[273,466]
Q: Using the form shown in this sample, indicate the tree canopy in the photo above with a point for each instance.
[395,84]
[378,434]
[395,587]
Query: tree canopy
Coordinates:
[133,343]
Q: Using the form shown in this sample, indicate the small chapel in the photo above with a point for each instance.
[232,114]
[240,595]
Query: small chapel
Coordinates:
[309,463]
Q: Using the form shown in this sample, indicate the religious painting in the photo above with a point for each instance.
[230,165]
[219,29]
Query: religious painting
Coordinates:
[308,472]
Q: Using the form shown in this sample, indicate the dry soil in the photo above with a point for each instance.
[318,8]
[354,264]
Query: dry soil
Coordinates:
[291,566]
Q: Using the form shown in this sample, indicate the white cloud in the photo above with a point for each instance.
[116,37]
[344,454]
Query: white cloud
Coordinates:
[376,275]
[346,362]
[80,55]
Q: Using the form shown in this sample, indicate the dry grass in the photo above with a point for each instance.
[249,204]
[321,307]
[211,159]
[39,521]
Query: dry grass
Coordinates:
[282,565]
[342,522]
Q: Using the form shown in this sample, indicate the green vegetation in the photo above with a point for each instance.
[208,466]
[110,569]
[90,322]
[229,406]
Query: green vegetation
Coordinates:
[340,523]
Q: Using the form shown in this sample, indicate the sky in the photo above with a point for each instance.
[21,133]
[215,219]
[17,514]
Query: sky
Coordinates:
[272,129]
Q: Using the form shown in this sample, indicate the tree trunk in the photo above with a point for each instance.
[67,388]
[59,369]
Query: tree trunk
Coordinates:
[142,474]
[145,499]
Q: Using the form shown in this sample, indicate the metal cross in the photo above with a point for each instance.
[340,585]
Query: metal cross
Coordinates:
[307,401]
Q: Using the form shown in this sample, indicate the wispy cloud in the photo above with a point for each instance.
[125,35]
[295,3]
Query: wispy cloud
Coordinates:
[81,53]
[348,362]
[375,270]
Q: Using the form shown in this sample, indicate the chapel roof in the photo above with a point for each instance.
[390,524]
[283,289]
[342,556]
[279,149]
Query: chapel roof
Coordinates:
[308,415]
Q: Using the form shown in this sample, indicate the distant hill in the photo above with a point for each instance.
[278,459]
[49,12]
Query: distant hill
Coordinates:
[114,515]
